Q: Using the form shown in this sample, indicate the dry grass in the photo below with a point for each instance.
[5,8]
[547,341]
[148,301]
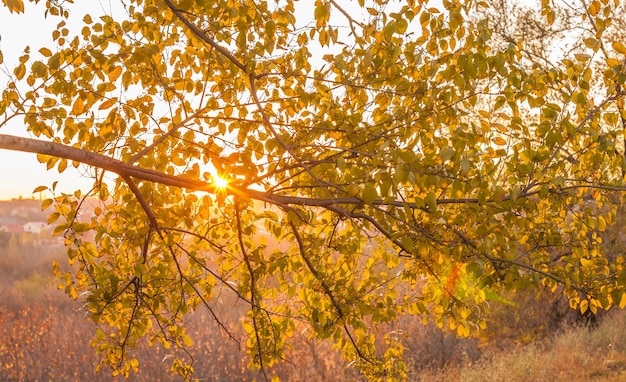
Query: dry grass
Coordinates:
[50,341]
[576,354]
[44,336]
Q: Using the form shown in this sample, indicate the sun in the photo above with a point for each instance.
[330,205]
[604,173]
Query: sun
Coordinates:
[220,182]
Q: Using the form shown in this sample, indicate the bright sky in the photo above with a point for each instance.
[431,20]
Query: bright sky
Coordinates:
[21,173]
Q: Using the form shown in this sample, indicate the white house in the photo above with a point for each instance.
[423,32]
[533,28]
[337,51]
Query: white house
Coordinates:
[35,227]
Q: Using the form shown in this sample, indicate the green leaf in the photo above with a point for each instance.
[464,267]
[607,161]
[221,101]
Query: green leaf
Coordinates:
[447,153]
[369,194]
[431,202]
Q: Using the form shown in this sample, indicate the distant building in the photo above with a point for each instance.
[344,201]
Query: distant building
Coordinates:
[12,228]
[35,227]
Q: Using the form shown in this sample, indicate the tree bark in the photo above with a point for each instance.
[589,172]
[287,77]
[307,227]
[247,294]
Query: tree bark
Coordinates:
[10,142]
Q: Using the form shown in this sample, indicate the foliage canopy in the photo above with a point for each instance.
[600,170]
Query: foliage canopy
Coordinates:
[381,158]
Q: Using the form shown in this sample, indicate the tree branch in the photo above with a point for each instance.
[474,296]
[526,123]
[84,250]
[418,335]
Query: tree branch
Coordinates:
[201,34]
[10,142]
[58,150]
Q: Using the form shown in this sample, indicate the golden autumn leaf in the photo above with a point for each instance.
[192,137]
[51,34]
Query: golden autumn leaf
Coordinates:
[16,6]
[114,73]
[594,8]
[619,47]
[79,106]
[611,62]
[45,52]
[499,141]
[108,103]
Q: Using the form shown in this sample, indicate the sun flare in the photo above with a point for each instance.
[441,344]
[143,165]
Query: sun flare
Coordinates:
[219,182]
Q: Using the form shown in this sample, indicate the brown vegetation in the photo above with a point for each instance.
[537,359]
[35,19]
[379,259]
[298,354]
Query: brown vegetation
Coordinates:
[533,335]
[45,336]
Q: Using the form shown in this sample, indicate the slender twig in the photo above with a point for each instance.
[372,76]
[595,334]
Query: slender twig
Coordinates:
[351,20]
[328,292]
[253,301]
[203,35]
[163,137]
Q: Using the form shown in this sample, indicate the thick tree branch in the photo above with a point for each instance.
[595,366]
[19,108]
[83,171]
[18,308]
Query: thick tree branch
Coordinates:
[58,150]
[10,142]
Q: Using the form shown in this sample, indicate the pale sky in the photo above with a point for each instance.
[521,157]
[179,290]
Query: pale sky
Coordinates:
[21,173]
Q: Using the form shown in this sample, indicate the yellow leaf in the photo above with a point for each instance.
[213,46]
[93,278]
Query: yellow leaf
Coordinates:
[593,306]
[501,128]
[62,165]
[39,69]
[591,43]
[40,188]
[352,189]
[584,305]
[14,5]
[59,229]
[53,217]
[463,330]
[79,106]
[601,224]
[550,16]
[619,47]
[482,324]
[447,153]
[499,141]
[20,71]
[611,62]
[108,103]
[45,52]
[594,8]
[369,193]
[582,57]
[46,203]
[115,73]
[431,202]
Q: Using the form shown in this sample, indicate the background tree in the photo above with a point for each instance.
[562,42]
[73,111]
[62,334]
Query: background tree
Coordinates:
[332,172]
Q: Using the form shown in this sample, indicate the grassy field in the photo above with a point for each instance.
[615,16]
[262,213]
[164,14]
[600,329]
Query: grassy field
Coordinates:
[46,336]
[571,354]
